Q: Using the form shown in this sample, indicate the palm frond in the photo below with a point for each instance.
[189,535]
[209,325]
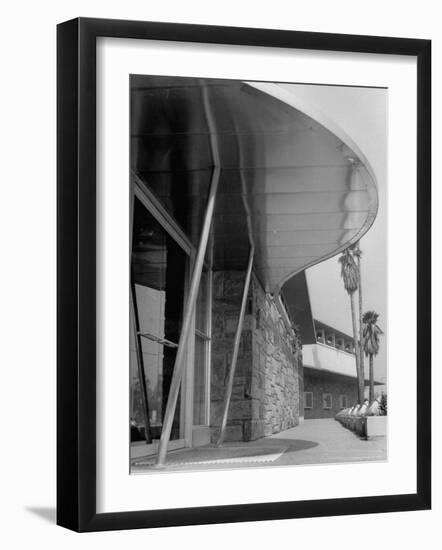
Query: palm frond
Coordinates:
[349,271]
[370,333]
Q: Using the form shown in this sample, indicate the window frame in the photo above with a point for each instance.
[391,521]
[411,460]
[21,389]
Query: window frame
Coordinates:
[324,402]
[305,399]
[206,336]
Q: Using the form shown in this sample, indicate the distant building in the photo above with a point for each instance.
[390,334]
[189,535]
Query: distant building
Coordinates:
[328,358]
[329,366]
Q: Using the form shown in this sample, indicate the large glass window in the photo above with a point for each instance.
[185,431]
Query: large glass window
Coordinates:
[170,147]
[158,276]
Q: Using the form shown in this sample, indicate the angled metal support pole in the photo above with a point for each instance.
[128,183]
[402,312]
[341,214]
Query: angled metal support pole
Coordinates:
[193,294]
[187,323]
[236,348]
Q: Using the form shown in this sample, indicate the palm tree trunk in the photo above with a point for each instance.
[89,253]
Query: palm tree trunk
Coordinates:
[371,395]
[357,355]
[361,349]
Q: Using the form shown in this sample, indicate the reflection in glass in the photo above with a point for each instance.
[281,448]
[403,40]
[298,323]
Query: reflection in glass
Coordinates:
[199,396]
[202,350]
[158,271]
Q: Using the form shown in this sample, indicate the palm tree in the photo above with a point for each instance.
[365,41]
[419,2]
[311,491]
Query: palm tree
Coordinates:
[357,253]
[350,276]
[370,339]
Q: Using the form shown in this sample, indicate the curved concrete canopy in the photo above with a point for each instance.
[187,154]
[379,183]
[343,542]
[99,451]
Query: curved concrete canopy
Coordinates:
[291,181]
[316,196]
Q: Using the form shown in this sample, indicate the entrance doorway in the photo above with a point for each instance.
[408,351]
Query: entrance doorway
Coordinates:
[158,271]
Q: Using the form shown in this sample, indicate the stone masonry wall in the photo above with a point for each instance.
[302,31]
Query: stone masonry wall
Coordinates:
[265,397]
[276,361]
[227,293]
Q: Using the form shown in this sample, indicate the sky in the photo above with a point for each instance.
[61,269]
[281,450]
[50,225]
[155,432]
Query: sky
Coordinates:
[362,114]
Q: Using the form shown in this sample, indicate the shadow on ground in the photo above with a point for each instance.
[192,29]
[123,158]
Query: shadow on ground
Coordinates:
[46,513]
[291,444]
[232,454]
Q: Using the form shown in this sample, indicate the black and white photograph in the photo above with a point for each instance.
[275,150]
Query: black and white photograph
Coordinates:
[244,216]
[258,273]
[218,253]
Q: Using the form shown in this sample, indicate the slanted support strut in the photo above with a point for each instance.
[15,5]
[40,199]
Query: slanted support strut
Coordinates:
[193,293]
[187,324]
[237,341]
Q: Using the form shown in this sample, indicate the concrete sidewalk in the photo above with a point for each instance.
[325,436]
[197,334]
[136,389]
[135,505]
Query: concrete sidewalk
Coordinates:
[335,444]
[312,442]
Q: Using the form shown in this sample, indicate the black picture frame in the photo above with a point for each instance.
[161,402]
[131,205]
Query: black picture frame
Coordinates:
[76,274]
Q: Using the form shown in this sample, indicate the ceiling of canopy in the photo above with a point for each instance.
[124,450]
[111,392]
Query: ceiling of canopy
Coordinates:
[288,184]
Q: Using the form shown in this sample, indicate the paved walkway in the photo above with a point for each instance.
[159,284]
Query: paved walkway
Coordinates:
[335,444]
[312,442]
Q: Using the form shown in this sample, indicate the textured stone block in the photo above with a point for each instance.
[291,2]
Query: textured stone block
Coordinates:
[256,407]
[217,393]
[253,429]
[218,369]
[230,323]
[233,433]
[243,367]
[238,410]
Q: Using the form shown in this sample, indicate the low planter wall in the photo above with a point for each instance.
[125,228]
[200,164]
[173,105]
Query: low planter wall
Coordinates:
[365,426]
[375,426]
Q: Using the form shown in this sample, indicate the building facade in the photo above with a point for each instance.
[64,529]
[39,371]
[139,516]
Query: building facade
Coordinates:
[329,365]
[330,382]
[235,189]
